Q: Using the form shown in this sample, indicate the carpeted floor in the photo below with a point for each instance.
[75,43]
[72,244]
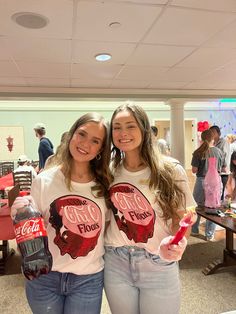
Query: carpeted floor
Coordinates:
[201,294]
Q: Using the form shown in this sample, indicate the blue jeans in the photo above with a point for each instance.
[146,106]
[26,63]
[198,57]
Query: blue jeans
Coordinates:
[199,197]
[65,293]
[137,282]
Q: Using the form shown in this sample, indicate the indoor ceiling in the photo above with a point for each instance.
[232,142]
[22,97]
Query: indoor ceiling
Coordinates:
[158,47]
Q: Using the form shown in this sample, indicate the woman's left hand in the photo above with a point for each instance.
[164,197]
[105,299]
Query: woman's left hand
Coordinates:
[172,252]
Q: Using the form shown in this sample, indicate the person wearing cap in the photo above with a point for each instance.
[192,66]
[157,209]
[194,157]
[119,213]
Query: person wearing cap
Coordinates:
[22,166]
[45,148]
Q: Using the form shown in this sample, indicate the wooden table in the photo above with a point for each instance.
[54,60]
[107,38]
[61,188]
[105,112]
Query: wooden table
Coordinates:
[6,233]
[229,254]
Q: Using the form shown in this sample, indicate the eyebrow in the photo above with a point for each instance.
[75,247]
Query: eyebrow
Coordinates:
[97,138]
[94,137]
[128,122]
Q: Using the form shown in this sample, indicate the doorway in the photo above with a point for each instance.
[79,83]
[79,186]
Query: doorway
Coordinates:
[190,137]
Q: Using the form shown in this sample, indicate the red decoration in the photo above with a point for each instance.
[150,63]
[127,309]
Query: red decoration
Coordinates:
[202,126]
[10,143]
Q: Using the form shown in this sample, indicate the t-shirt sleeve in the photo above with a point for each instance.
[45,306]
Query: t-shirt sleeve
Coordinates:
[181,179]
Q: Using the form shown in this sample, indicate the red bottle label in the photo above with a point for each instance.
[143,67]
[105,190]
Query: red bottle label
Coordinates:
[30,229]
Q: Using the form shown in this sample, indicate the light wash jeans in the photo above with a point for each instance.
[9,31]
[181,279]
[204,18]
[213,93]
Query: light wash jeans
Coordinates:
[137,282]
[65,293]
[199,197]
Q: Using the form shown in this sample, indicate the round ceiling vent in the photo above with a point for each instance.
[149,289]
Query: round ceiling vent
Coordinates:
[30,20]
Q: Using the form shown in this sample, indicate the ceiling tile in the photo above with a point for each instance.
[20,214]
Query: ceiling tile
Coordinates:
[12,81]
[167,85]
[36,69]
[141,73]
[187,27]
[47,82]
[178,74]
[129,84]
[223,39]
[91,72]
[94,18]
[8,68]
[39,49]
[146,1]
[227,85]
[212,5]
[58,12]
[81,82]
[85,52]
[155,55]
[4,51]
[209,57]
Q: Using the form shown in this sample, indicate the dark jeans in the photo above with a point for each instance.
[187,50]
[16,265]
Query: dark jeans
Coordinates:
[224,179]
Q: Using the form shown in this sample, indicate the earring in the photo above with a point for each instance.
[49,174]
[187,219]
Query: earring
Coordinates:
[98,157]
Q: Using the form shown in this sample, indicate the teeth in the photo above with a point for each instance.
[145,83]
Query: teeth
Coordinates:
[125,141]
[82,151]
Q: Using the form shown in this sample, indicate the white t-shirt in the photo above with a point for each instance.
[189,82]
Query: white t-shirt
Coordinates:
[138,222]
[27,168]
[74,221]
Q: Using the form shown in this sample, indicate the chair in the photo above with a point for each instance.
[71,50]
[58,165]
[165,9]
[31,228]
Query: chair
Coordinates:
[6,229]
[24,179]
[6,167]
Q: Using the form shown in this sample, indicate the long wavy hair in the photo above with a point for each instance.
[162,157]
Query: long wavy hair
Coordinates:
[232,165]
[99,166]
[168,194]
[55,158]
[202,152]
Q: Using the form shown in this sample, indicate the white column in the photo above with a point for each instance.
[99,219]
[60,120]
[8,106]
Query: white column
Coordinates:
[177,129]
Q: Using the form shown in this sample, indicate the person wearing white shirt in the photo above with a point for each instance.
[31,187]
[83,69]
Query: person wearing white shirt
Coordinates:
[22,166]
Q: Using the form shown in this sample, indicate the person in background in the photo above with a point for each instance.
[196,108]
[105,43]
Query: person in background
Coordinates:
[160,143]
[163,146]
[149,196]
[199,167]
[23,165]
[45,148]
[154,131]
[224,146]
[230,189]
[231,139]
[72,198]
[52,160]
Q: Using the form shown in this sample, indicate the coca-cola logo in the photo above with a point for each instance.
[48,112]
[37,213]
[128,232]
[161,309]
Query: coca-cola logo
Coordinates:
[29,229]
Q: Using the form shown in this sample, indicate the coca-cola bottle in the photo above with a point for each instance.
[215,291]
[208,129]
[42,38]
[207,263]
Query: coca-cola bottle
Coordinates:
[212,185]
[31,238]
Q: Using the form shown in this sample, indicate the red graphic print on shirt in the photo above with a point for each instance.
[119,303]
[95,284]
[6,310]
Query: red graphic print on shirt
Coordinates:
[78,222]
[133,212]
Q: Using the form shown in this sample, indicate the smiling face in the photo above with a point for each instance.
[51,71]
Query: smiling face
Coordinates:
[126,133]
[87,141]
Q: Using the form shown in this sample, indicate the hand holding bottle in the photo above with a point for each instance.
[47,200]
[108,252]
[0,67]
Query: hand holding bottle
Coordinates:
[172,248]
[172,252]
[31,237]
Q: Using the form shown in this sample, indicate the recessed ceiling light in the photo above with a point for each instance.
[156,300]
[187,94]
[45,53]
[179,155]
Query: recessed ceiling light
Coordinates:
[30,20]
[103,57]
